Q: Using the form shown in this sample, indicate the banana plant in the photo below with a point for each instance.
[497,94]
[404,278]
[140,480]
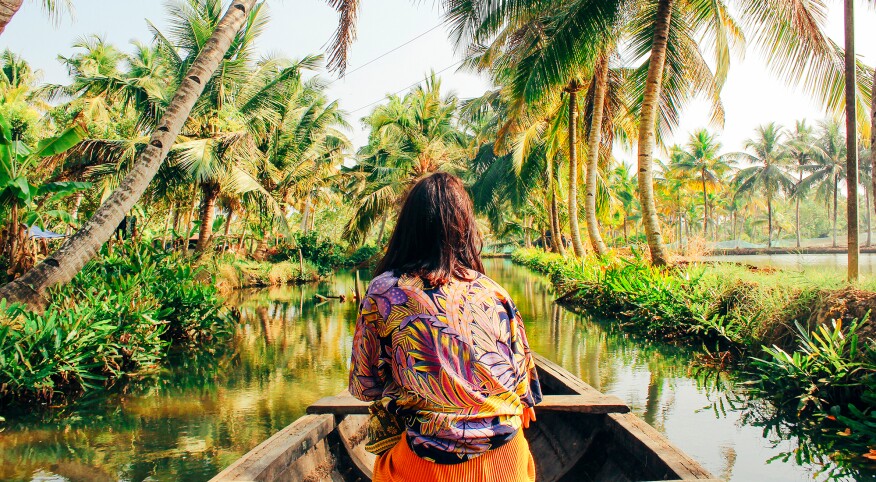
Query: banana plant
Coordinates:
[21,200]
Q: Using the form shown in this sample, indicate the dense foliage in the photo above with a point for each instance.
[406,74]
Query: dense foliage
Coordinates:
[822,372]
[117,320]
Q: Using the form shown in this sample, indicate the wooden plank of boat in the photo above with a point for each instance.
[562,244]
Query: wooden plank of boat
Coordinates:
[346,404]
[567,444]
[633,434]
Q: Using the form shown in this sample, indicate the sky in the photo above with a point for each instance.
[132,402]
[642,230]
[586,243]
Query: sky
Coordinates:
[300,27]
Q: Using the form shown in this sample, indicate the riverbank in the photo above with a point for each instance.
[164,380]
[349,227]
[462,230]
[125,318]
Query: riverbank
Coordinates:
[782,250]
[116,321]
[804,342]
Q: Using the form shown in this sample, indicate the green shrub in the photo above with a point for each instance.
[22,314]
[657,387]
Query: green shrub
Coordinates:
[116,319]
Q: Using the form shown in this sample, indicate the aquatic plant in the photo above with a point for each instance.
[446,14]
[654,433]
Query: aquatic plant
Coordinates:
[117,320]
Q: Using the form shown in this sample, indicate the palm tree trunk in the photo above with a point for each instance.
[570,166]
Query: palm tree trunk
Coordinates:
[867,210]
[573,170]
[872,147]
[556,234]
[835,195]
[797,210]
[210,192]
[527,233]
[167,226]
[305,216]
[382,230]
[600,77]
[769,221]
[65,263]
[74,213]
[852,243]
[647,128]
[626,239]
[705,205]
[8,8]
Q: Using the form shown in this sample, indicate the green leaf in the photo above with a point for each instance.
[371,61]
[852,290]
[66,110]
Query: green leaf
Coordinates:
[60,144]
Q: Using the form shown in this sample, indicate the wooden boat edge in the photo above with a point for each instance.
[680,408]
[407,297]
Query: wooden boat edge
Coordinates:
[303,447]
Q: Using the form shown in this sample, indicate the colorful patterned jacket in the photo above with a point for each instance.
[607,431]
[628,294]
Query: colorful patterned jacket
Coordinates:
[453,362]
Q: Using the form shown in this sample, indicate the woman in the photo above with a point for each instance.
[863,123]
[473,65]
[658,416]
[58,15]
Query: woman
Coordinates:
[442,347]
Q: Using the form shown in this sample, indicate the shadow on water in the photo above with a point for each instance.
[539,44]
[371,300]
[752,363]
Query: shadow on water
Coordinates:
[193,419]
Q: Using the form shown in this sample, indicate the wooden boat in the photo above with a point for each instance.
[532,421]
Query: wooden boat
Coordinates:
[581,435]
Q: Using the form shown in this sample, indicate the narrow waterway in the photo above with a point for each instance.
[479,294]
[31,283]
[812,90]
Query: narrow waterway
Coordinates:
[189,422]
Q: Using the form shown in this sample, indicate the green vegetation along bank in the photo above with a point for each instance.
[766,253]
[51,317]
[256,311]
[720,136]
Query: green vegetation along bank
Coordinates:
[116,321]
[804,343]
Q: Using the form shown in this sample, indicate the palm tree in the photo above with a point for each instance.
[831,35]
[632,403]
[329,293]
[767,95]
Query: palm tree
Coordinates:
[827,168]
[767,174]
[800,147]
[411,137]
[703,158]
[623,186]
[65,263]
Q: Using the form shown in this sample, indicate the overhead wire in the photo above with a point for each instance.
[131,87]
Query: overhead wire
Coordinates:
[375,59]
[405,88]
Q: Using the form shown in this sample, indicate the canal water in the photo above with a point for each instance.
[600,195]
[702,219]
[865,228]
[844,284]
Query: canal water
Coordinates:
[189,422]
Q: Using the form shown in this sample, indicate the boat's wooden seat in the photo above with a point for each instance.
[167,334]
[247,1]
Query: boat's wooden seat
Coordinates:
[593,403]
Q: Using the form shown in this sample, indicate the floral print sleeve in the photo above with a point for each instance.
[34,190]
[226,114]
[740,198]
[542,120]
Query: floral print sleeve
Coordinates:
[368,368]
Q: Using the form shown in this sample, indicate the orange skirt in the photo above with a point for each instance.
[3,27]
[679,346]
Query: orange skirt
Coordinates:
[512,462]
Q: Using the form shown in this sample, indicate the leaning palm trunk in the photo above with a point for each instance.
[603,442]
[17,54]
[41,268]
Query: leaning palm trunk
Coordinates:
[65,263]
[575,230]
[600,77]
[208,210]
[8,8]
[647,128]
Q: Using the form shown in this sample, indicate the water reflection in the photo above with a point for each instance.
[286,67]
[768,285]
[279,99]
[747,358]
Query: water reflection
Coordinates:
[289,349]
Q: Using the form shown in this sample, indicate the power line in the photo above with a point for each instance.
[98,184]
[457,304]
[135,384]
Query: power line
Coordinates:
[375,59]
[445,69]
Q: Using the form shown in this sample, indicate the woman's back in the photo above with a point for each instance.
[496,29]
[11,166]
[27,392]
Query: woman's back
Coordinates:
[452,361]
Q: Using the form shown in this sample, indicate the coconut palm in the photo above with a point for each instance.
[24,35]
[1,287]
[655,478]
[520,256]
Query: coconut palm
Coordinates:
[702,158]
[827,168]
[800,147]
[411,137]
[768,174]
[65,263]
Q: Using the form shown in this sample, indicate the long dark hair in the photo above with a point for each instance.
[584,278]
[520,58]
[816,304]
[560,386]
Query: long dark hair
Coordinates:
[436,236]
